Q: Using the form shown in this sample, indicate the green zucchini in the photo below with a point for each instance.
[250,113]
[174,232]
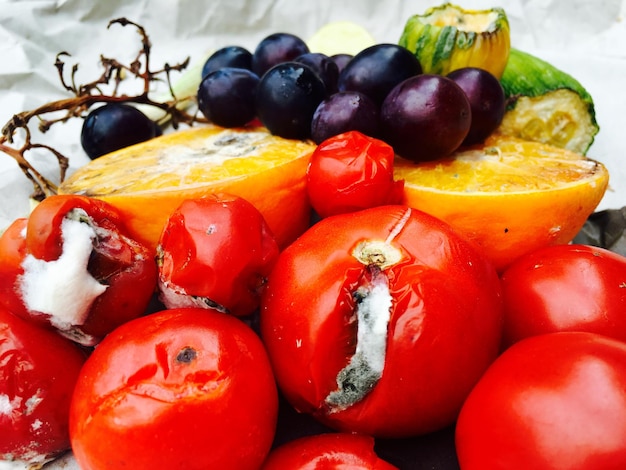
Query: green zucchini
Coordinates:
[547,105]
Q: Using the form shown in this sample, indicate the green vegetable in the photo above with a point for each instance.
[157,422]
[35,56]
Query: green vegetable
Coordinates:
[447,37]
[546,104]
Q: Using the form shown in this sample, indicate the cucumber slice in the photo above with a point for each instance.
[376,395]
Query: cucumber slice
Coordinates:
[547,105]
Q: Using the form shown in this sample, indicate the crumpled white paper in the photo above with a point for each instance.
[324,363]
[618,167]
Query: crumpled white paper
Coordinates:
[585,39]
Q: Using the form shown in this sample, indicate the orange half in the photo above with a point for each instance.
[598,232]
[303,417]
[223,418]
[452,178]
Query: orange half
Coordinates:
[508,195]
[148,181]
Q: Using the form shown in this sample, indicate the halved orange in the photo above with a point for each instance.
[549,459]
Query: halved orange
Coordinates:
[510,196]
[148,181]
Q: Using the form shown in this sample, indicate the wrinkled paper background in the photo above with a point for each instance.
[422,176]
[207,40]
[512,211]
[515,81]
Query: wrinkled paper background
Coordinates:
[586,39]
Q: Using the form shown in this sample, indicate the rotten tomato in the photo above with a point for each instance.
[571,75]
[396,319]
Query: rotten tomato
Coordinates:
[215,252]
[352,171]
[381,321]
[71,265]
[38,371]
[180,388]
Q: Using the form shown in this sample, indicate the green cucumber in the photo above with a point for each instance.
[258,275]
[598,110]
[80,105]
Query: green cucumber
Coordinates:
[547,105]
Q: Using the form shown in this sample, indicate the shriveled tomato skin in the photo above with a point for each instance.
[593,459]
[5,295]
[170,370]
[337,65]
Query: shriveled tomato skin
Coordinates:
[181,388]
[330,451]
[352,171]
[550,401]
[443,332]
[219,248]
[565,288]
[38,371]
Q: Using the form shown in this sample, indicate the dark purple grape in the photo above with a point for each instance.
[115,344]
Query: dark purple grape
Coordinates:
[287,97]
[227,96]
[341,60]
[277,48]
[425,117]
[229,56]
[114,126]
[487,100]
[342,112]
[324,66]
[376,70]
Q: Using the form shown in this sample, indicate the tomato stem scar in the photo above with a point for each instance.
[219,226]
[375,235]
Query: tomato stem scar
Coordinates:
[377,253]
[382,253]
[373,310]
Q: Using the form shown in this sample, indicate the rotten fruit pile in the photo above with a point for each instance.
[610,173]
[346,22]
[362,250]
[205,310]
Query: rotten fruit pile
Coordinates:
[347,255]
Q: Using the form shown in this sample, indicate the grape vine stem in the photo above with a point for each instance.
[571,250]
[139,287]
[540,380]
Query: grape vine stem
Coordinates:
[85,96]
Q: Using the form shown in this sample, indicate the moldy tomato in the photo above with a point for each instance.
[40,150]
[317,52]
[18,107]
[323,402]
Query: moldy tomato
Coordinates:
[71,266]
[381,321]
[215,252]
[181,388]
[330,451]
[38,371]
[352,171]
[12,254]
[565,288]
[551,401]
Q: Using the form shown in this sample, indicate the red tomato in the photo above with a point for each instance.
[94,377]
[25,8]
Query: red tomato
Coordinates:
[72,266]
[565,288]
[215,252]
[381,321]
[550,401]
[332,451]
[12,254]
[181,388]
[38,371]
[352,171]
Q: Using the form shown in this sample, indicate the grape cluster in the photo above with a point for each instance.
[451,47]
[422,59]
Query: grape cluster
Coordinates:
[381,92]
[295,93]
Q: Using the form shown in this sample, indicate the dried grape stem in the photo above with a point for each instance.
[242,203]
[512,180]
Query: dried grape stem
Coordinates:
[85,96]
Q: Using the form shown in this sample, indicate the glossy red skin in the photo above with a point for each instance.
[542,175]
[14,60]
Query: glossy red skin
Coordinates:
[137,406]
[38,370]
[220,248]
[549,401]
[565,288]
[444,329]
[332,451]
[123,264]
[12,253]
[352,171]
